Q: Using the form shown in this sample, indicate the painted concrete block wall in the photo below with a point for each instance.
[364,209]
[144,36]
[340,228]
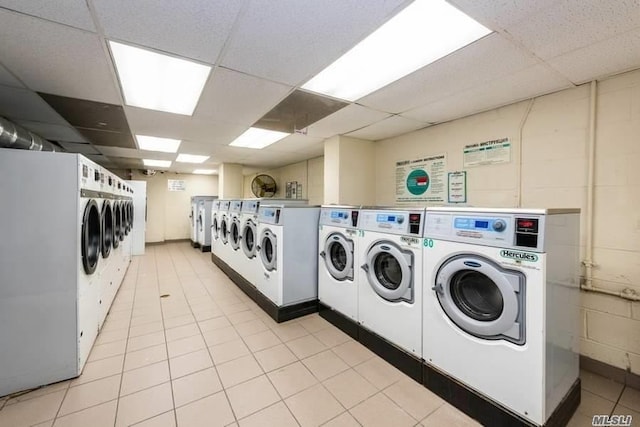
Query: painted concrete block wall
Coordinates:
[332,170]
[168,211]
[230,180]
[553,173]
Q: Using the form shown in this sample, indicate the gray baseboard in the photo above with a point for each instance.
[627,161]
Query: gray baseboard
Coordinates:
[616,374]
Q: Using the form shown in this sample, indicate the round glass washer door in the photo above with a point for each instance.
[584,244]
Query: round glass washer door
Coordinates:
[389,272]
[268,249]
[234,232]
[248,241]
[338,256]
[481,298]
[116,224]
[120,217]
[224,233]
[214,228]
[107,229]
[91,239]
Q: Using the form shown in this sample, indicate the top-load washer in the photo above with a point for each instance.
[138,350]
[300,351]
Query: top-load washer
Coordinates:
[337,273]
[390,283]
[501,307]
[204,224]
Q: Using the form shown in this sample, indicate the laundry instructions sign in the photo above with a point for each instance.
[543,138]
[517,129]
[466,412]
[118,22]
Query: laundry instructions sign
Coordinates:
[422,180]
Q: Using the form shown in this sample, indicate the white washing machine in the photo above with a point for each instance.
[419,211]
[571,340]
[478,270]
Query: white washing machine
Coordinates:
[287,248]
[390,284]
[193,218]
[337,273]
[215,225]
[223,249]
[234,227]
[501,306]
[249,265]
[204,224]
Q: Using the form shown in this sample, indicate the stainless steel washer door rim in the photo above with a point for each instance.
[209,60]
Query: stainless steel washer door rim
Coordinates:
[268,249]
[478,296]
[91,239]
[248,242]
[338,256]
[235,234]
[214,227]
[224,234]
[389,271]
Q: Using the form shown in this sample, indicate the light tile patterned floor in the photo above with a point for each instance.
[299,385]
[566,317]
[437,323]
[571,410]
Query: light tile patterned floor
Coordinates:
[206,355]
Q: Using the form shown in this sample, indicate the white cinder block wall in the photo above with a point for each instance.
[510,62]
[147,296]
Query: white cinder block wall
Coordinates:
[554,174]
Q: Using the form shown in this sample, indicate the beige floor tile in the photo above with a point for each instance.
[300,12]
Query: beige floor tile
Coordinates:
[306,346]
[182,320]
[104,351]
[325,365]
[277,415]
[141,320]
[103,415]
[242,317]
[189,363]
[168,419]
[220,336]
[195,386]
[262,340]
[147,356]
[145,341]
[90,394]
[107,337]
[314,323]
[250,327]
[380,411]
[601,386]
[184,331]
[623,410]
[144,404]
[111,324]
[185,345]
[275,357]
[148,328]
[350,388]
[32,411]
[631,399]
[413,398]
[343,420]
[51,388]
[228,351]
[292,379]
[238,370]
[233,308]
[590,404]
[145,377]
[332,336]
[353,353]
[314,406]
[99,369]
[252,396]
[379,373]
[44,424]
[578,420]
[447,415]
[208,314]
[289,331]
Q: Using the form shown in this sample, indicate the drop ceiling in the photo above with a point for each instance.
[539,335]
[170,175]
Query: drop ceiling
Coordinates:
[261,52]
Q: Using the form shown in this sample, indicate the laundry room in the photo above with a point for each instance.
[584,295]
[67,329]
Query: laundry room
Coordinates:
[320,213]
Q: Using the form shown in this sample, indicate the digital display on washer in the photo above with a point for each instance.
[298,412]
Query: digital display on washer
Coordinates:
[469,223]
[339,215]
[482,224]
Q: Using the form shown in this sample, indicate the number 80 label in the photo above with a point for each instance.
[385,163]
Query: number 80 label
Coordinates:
[428,243]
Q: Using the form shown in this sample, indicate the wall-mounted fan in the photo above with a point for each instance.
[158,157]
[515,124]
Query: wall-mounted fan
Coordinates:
[263,186]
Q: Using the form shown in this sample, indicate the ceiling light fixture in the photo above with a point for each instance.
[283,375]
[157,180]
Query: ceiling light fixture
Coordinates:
[154,143]
[422,33]
[191,158]
[258,138]
[158,82]
[156,163]
[204,171]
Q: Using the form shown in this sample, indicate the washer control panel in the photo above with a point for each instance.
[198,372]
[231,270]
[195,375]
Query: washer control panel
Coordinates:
[269,215]
[393,222]
[235,206]
[346,218]
[250,206]
[224,205]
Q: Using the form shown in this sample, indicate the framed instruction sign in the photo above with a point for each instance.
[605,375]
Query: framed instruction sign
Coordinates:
[176,185]
[421,180]
[487,153]
[457,187]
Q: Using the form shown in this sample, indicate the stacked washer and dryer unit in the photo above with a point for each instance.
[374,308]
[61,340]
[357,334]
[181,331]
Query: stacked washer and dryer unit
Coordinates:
[54,247]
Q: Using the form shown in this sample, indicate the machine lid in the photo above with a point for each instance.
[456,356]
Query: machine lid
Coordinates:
[338,256]
[389,271]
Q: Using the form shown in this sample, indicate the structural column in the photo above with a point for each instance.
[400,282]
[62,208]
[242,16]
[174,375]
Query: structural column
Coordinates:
[230,181]
[349,171]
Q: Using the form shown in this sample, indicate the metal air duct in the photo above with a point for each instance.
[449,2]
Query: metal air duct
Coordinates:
[14,136]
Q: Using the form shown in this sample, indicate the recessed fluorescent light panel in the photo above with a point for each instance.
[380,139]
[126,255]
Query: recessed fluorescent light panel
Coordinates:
[204,171]
[154,143]
[156,163]
[158,82]
[258,138]
[422,33]
[191,158]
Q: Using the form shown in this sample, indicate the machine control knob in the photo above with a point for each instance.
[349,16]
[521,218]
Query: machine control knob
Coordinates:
[400,219]
[499,225]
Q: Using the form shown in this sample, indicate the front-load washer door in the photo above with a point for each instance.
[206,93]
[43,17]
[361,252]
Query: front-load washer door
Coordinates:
[215,228]
[107,229]
[125,221]
[338,256]
[116,224]
[268,247]
[234,234]
[389,271]
[482,298]
[91,240]
[224,232]
[248,241]
[200,223]
[121,220]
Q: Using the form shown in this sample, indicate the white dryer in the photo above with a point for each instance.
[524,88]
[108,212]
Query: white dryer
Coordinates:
[215,224]
[287,247]
[501,307]
[203,222]
[338,274]
[390,284]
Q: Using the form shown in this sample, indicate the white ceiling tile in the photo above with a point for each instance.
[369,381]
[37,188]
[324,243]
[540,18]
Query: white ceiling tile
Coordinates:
[194,29]
[70,12]
[497,14]
[238,98]
[167,125]
[291,40]
[56,59]
[611,56]
[473,65]
[296,143]
[561,28]
[387,128]
[53,132]
[23,104]
[349,118]
[528,83]
[7,79]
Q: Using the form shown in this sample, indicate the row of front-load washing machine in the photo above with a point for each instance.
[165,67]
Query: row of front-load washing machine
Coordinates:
[481,305]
